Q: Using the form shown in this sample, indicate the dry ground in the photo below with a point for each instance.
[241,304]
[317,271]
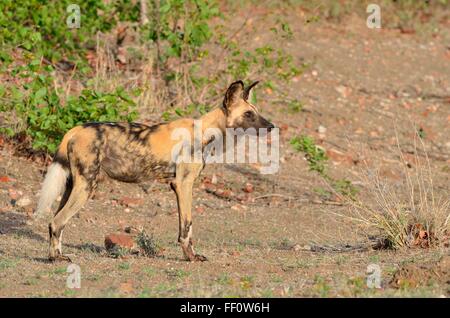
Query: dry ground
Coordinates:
[360,85]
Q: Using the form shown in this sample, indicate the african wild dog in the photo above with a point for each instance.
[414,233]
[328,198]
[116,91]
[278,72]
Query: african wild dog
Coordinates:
[132,152]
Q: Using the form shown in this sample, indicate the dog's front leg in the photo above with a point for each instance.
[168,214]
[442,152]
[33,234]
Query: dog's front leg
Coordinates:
[184,181]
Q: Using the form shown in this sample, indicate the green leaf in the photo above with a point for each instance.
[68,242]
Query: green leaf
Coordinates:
[40,93]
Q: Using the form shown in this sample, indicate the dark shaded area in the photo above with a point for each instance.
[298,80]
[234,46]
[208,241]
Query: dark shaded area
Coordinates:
[16,224]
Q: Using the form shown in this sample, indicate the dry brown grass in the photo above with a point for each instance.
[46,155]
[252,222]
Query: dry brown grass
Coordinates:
[407,214]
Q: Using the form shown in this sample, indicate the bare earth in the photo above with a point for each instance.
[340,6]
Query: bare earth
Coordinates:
[362,85]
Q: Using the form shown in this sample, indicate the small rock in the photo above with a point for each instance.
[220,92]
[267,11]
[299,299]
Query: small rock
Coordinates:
[314,73]
[24,201]
[344,91]
[359,131]
[200,209]
[234,253]
[5,179]
[322,129]
[119,240]
[248,188]
[214,179]
[126,287]
[339,157]
[284,129]
[131,202]
[239,207]
[14,194]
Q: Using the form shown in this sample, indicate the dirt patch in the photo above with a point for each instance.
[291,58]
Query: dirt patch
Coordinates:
[420,275]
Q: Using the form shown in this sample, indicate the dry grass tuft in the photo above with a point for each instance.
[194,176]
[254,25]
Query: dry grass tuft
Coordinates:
[409,215]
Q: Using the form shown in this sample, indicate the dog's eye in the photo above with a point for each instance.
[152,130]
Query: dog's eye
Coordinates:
[248,114]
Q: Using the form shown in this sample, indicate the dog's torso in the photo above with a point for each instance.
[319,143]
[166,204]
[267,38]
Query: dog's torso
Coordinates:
[129,152]
[129,155]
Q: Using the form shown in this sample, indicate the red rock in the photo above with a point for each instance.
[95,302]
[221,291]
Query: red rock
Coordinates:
[131,202]
[248,188]
[234,253]
[5,179]
[200,209]
[406,30]
[119,240]
[284,129]
[126,287]
[338,156]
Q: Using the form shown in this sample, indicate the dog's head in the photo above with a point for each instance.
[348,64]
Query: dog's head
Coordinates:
[239,110]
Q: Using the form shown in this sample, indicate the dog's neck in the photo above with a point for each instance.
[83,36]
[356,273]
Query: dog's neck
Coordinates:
[215,119]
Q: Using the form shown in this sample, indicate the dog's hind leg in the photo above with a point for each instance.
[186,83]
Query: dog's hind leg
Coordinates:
[85,166]
[184,181]
[64,199]
[78,197]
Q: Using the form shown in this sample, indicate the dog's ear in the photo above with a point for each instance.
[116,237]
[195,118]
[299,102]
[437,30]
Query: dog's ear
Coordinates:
[248,96]
[233,94]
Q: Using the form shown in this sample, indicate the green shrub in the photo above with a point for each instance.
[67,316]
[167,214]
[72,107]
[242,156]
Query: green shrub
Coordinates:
[317,158]
[148,245]
[40,26]
[262,60]
[42,115]
[181,40]
[315,155]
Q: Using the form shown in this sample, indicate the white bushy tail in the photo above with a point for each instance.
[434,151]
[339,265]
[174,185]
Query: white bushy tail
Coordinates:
[54,184]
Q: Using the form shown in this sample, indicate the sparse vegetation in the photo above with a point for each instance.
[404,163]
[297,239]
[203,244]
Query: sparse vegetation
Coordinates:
[316,157]
[124,266]
[118,252]
[6,263]
[410,216]
[148,245]
[314,154]
[177,273]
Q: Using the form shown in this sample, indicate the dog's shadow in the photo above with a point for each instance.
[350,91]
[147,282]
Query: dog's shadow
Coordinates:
[88,247]
[14,223]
